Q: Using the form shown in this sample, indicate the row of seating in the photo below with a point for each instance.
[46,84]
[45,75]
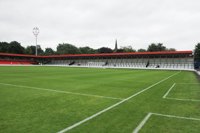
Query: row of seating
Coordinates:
[173,63]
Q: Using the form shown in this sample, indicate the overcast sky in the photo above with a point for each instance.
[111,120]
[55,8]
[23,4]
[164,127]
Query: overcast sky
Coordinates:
[97,23]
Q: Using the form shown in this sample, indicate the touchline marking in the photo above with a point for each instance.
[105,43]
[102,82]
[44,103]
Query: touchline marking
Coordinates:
[114,105]
[144,121]
[169,90]
[59,91]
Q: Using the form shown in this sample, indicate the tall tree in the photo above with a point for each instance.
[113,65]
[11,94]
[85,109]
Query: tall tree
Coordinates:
[171,49]
[15,47]
[49,51]
[197,56]
[142,50]
[12,47]
[120,50]
[161,47]
[4,47]
[152,47]
[31,50]
[86,50]
[105,50]
[197,52]
[156,47]
[128,49]
[66,48]
[40,50]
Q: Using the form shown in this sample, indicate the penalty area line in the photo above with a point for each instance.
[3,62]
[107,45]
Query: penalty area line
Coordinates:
[180,99]
[114,105]
[59,91]
[169,90]
[189,83]
[146,118]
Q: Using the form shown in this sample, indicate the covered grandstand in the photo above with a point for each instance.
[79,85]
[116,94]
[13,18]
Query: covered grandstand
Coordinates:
[17,59]
[180,60]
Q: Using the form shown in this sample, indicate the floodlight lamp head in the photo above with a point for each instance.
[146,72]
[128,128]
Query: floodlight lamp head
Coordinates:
[36,31]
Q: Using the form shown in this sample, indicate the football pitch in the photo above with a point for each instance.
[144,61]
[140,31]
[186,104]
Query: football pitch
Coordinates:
[90,100]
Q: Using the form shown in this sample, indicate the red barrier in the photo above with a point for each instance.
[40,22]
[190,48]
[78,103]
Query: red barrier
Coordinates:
[16,62]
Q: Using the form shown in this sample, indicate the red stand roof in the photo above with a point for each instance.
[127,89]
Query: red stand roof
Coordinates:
[100,55]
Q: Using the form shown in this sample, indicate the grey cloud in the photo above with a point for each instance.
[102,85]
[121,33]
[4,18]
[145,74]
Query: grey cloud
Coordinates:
[98,23]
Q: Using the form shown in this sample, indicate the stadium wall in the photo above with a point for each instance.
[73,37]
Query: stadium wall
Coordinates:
[178,60]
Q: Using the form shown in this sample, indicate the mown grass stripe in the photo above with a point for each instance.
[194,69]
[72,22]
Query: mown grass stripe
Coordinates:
[59,91]
[112,106]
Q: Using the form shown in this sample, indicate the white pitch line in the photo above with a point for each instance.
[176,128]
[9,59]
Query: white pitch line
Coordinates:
[169,90]
[146,118]
[142,123]
[180,99]
[189,83]
[178,117]
[59,91]
[112,106]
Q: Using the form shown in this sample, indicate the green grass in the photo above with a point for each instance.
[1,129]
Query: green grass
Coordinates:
[171,125]
[181,91]
[25,109]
